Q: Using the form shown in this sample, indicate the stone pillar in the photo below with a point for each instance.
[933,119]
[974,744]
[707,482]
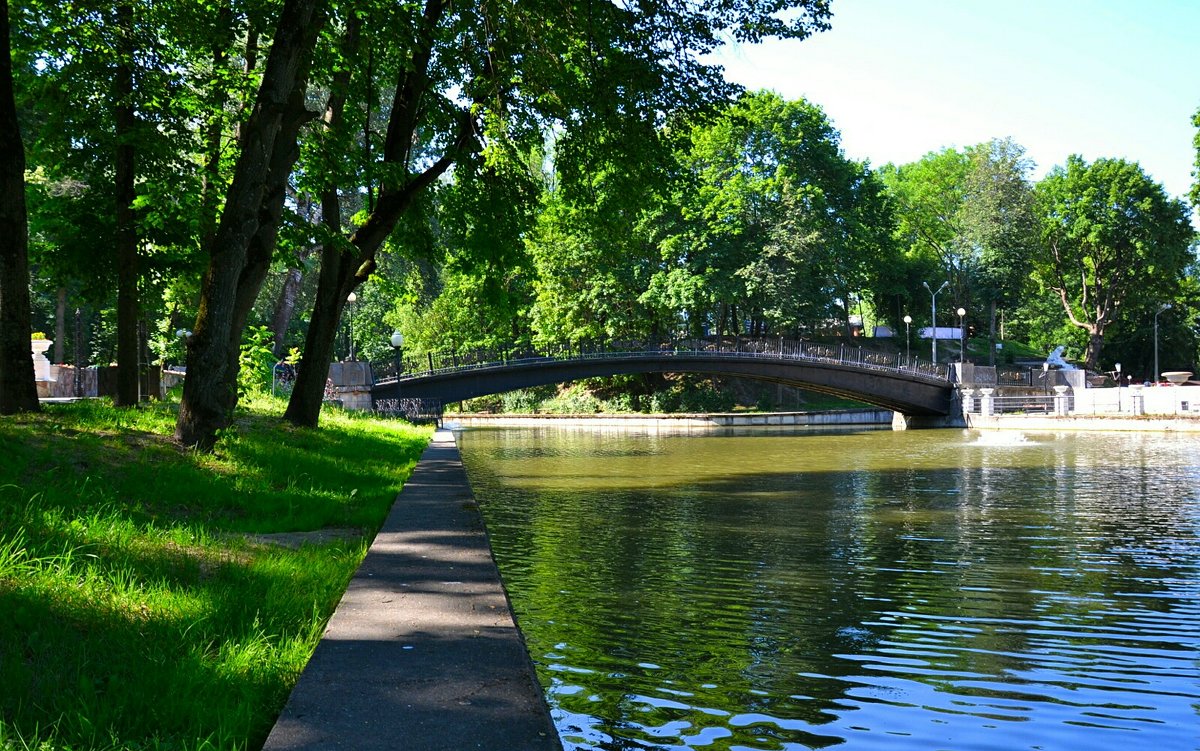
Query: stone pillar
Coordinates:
[987,406]
[968,401]
[1139,400]
[1060,401]
[964,372]
[352,382]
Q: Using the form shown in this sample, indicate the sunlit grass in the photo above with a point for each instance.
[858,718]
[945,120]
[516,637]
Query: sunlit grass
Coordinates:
[135,613]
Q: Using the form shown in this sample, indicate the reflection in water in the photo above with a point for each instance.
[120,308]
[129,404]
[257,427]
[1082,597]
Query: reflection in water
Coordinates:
[875,590]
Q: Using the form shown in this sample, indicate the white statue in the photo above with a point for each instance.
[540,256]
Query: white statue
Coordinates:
[1055,359]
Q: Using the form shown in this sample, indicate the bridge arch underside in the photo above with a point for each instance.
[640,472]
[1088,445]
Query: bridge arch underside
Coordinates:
[901,392]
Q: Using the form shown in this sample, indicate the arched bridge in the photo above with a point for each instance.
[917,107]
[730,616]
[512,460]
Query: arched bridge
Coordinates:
[909,386]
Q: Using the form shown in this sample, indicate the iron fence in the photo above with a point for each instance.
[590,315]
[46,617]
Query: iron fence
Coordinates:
[1025,404]
[413,410]
[432,363]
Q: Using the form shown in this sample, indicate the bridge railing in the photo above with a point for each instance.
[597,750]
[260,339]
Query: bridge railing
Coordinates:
[777,348]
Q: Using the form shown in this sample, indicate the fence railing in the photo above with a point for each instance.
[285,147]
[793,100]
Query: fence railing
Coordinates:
[432,363]
[413,410]
[1026,404]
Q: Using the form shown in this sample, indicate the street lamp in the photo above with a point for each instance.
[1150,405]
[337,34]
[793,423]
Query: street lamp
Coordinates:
[397,342]
[397,349]
[907,337]
[1119,378]
[933,313]
[350,299]
[1161,308]
[962,335]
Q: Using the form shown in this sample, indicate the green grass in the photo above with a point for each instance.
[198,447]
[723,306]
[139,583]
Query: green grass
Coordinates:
[134,611]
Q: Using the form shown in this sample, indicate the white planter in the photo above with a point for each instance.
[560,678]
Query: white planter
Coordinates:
[41,366]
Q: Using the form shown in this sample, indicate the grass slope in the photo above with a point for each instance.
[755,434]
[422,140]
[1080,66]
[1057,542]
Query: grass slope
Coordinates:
[135,612]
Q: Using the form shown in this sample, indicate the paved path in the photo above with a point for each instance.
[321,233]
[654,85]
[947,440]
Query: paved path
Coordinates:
[422,653]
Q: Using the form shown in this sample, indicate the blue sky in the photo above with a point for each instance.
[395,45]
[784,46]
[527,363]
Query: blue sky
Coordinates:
[901,78]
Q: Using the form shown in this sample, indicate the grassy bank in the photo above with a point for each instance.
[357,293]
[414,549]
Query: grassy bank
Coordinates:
[672,394]
[138,608]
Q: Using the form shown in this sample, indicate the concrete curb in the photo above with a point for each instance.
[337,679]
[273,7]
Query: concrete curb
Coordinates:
[1146,424]
[680,420]
[423,652]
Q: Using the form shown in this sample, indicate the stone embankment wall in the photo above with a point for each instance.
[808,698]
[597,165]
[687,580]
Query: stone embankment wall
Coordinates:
[682,421]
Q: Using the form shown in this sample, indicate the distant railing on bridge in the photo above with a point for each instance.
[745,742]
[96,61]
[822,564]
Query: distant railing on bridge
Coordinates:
[432,363]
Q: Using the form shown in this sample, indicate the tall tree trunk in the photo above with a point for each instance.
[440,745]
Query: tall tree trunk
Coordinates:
[992,333]
[1095,344]
[285,309]
[60,326]
[342,271]
[218,96]
[128,365]
[262,246]
[209,390]
[18,392]
[333,285]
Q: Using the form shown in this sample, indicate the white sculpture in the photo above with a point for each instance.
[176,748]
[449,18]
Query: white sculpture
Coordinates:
[1055,359]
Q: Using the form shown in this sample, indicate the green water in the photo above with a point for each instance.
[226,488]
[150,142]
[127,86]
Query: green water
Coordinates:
[874,590]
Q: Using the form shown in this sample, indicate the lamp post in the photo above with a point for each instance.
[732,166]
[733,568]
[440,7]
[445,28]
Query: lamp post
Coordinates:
[397,349]
[350,299]
[1119,378]
[962,335]
[933,313]
[1161,308]
[78,359]
[907,337]
[397,342]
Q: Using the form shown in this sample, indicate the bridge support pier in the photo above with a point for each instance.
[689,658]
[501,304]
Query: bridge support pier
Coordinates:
[925,422]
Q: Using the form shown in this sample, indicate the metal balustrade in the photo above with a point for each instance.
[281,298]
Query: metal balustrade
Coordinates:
[434,363]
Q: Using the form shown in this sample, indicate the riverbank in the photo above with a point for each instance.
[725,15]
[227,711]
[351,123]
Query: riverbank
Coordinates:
[148,598]
[680,421]
[838,418]
[1114,423]
[423,651]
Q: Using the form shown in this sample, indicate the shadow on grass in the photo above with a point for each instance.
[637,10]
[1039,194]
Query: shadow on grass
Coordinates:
[139,617]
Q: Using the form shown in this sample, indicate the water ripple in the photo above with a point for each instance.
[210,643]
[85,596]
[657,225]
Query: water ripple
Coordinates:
[867,592]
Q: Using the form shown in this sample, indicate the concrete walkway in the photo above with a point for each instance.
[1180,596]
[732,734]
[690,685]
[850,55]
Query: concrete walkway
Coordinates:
[422,653]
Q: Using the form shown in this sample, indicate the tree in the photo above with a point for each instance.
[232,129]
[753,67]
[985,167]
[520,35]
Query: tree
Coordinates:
[929,196]
[125,161]
[113,98]
[495,76]
[244,241]
[1195,194]
[17,389]
[1110,235]
[595,247]
[771,197]
[997,222]
[967,216]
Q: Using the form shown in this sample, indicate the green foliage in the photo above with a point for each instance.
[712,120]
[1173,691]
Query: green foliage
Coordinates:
[256,361]
[1195,193]
[1039,323]
[781,232]
[65,58]
[967,217]
[143,616]
[929,196]
[1111,237]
